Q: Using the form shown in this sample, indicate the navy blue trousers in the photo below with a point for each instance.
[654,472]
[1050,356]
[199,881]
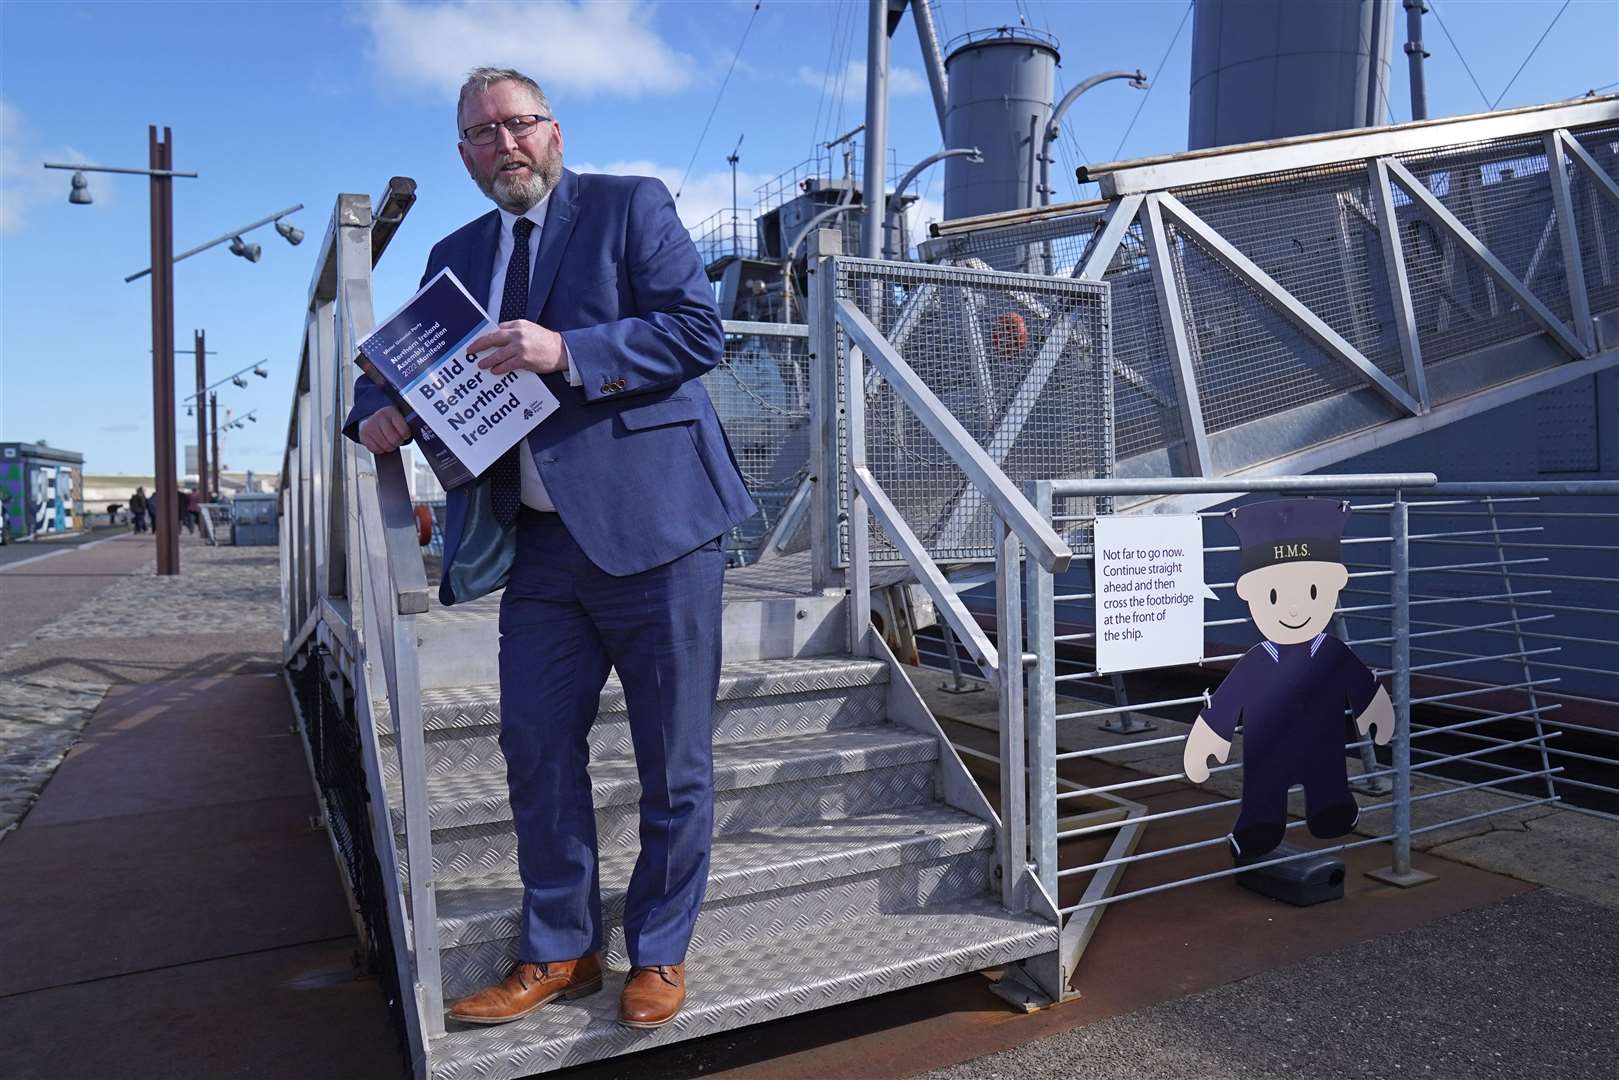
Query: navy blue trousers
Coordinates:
[564,623]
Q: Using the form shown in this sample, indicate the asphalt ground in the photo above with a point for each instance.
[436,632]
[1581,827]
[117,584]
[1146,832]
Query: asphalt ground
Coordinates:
[16,551]
[1524,987]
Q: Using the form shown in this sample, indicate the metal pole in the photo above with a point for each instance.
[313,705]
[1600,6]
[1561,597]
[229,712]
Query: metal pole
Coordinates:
[200,337]
[1009,640]
[871,237]
[1401,873]
[734,157]
[932,61]
[166,476]
[1523,648]
[1415,55]
[213,412]
[1042,704]
[1400,522]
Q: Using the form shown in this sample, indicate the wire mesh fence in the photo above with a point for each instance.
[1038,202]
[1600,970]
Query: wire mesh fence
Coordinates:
[761,391]
[1501,193]
[1314,232]
[1597,218]
[1020,362]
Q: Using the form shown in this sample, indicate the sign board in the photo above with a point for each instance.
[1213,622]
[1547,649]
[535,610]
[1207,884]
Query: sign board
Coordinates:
[1149,591]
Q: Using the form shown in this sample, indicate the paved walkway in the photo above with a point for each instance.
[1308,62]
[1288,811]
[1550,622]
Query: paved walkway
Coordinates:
[169,909]
[90,617]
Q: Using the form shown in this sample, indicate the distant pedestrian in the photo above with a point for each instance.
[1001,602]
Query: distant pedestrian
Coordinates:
[137,509]
[185,502]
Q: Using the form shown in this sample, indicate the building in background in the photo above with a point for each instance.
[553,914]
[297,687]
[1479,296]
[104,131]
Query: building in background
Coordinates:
[43,489]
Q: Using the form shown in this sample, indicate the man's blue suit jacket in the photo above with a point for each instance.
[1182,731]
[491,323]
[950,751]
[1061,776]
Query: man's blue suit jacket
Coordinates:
[635,459]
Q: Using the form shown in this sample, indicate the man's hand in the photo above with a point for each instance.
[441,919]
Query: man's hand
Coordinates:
[1378,718]
[520,344]
[1202,742]
[384,431]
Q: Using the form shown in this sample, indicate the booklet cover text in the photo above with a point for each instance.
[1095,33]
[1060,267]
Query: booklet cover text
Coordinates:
[463,418]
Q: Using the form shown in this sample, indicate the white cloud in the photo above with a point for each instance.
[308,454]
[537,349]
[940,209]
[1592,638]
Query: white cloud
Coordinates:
[902,82]
[704,195]
[24,181]
[577,45]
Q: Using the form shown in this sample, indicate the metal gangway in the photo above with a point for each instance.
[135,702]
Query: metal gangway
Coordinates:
[1278,307]
[964,423]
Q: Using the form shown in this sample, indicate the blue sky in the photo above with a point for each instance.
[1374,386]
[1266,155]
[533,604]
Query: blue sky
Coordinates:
[281,103]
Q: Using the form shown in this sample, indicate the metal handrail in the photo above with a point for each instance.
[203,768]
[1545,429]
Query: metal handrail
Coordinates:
[1019,514]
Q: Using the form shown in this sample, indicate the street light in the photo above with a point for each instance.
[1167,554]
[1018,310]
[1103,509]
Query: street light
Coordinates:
[160,174]
[207,403]
[251,252]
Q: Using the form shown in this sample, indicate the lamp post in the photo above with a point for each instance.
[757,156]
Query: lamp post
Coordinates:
[200,337]
[251,252]
[161,174]
[206,397]
[213,410]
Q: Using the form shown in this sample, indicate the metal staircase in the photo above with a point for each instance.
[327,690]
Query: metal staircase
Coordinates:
[853,853]
[1243,312]
[837,870]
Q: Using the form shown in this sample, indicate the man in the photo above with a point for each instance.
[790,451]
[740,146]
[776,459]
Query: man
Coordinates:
[612,558]
[1290,692]
[137,509]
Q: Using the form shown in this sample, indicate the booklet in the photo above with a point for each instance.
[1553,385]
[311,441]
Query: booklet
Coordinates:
[463,418]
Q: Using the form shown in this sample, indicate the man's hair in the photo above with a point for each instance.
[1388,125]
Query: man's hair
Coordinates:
[480,79]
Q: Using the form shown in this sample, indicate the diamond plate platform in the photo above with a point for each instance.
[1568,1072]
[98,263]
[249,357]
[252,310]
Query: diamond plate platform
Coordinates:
[474,706]
[764,881]
[756,700]
[481,798]
[770,613]
[752,982]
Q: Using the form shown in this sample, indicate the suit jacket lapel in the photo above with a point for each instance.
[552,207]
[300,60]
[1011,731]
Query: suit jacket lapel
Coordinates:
[475,263]
[559,216]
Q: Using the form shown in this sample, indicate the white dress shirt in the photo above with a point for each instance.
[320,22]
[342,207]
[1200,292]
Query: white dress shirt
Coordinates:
[534,493]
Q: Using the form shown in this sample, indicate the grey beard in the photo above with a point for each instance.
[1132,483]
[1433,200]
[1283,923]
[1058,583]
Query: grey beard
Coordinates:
[520,196]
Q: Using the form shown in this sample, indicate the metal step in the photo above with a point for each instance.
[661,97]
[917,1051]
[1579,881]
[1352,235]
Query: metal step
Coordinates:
[762,881]
[756,700]
[769,782]
[749,982]
[460,645]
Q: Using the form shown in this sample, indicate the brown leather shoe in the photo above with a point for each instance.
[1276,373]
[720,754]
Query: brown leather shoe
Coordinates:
[527,988]
[652,995]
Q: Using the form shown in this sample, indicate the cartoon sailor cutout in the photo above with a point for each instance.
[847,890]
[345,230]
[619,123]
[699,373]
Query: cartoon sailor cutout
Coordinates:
[1291,690]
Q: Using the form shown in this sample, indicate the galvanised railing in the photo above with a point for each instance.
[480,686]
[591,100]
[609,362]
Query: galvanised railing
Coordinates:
[1491,611]
[1281,306]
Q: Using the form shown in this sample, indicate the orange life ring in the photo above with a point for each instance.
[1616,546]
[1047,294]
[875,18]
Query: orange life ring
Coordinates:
[424,526]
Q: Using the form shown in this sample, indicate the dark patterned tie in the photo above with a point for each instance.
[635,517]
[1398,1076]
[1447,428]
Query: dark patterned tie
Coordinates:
[506,475]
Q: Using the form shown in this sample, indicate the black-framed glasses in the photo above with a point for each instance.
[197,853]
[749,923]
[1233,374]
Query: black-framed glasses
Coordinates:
[484,134]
